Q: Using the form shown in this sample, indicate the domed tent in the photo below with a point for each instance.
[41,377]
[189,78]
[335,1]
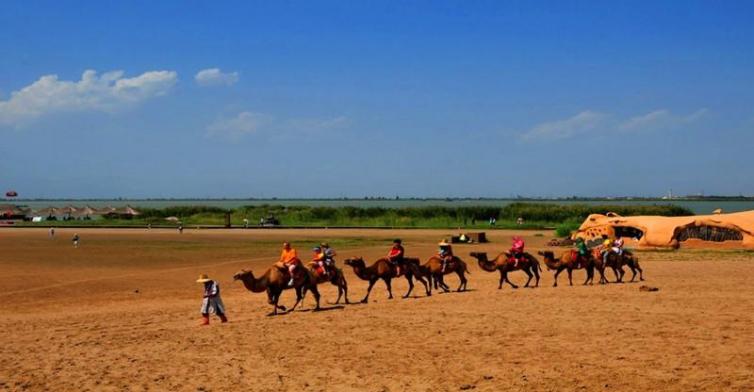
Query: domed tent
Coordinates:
[671,232]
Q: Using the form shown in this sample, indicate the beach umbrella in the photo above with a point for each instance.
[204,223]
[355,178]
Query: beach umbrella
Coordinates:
[49,211]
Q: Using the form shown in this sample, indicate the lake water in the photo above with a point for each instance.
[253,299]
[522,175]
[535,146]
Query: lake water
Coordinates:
[698,207]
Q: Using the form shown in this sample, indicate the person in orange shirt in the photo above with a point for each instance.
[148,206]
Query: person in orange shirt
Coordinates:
[320,258]
[289,259]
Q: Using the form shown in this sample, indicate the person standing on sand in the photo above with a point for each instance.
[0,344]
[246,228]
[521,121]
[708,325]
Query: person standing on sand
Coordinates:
[75,240]
[211,301]
[52,232]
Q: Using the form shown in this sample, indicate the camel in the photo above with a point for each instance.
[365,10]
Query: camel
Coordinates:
[275,280]
[385,270]
[616,262]
[433,270]
[502,263]
[568,262]
[336,278]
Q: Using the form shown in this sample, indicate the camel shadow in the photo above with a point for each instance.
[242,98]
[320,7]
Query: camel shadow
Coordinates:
[322,309]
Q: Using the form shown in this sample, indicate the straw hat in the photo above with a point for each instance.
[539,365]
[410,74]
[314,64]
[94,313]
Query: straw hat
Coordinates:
[443,243]
[203,278]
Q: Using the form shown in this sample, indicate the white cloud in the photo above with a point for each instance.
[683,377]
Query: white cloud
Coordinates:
[215,77]
[108,93]
[242,124]
[660,119]
[247,122]
[589,121]
[583,122]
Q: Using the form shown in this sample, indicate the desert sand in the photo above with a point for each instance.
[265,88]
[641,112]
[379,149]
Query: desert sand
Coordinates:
[121,313]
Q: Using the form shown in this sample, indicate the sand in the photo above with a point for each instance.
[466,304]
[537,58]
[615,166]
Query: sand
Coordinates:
[121,313]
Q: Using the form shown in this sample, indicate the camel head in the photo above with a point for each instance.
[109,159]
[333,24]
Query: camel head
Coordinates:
[355,262]
[243,274]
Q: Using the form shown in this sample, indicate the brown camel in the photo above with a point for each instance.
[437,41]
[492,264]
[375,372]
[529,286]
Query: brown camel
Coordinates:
[335,277]
[432,269]
[616,263]
[569,261]
[529,264]
[275,280]
[385,270]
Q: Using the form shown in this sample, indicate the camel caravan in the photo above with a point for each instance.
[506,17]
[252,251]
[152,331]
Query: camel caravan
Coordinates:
[289,272]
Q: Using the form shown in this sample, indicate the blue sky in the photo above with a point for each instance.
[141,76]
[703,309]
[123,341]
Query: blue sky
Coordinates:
[333,99]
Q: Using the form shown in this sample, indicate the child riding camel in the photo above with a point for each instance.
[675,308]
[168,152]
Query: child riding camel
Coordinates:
[446,254]
[211,301]
[605,248]
[289,259]
[395,256]
[320,259]
[517,250]
[329,256]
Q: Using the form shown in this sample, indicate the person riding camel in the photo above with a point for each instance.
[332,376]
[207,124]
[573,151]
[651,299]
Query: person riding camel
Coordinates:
[319,259]
[583,251]
[618,246]
[329,256]
[517,250]
[605,248]
[289,259]
[446,254]
[395,256]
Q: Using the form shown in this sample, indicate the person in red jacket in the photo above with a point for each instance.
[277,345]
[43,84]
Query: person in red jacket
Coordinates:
[395,255]
[517,250]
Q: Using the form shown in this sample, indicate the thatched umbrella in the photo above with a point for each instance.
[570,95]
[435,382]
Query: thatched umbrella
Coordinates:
[86,212]
[49,211]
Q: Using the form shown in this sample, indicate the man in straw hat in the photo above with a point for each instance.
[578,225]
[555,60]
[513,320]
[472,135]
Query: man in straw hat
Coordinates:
[212,301]
[446,254]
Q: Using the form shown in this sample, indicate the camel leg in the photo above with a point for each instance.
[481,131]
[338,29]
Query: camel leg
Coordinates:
[622,273]
[462,278]
[603,279]
[427,286]
[389,287]
[313,288]
[344,285]
[410,280]
[502,279]
[509,281]
[589,275]
[298,298]
[369,289]
[536,275]
[526,270]
[641,273]
[441,279]
[557,272]
[570,276]
[616,273]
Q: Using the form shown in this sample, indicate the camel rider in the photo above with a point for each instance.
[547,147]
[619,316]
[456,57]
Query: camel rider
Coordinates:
[618,246]
[583,251]
[517,250]
[446,254]
[605,248]
[289,259]
[329,255]
[395,255]
[319,259]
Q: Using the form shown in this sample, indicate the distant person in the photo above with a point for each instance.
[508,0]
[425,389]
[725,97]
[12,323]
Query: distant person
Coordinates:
[396,255]
[180,229]
[52,232]
[520,221]
[289,259]
[245,223]
[445,253]
[605,248]
[211,303]
[75,240]
[149,226]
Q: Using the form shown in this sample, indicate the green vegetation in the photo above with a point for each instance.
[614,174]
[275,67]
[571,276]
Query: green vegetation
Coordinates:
[534,215]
